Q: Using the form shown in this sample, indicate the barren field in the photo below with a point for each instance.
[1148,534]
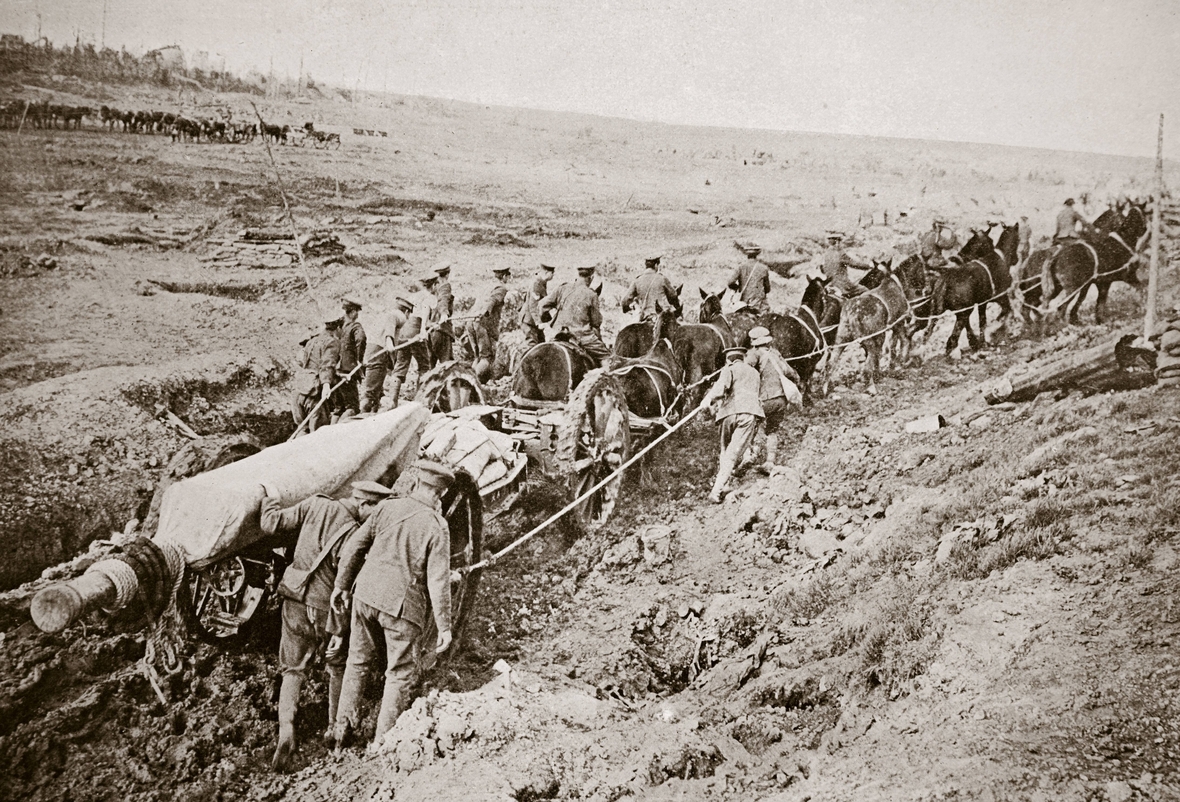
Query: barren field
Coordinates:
[982,612]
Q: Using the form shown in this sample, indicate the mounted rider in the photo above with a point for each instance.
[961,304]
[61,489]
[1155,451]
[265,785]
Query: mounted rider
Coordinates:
[835,266]
[576,315]
[1068,220]
[652,291]
[751,279]
[939,238]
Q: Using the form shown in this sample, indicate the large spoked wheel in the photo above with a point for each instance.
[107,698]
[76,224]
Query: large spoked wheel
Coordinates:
[594,440]
[220,602]
[448,387]
[463,509]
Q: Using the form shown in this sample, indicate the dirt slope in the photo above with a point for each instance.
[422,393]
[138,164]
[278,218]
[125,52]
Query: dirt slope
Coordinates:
[981,612]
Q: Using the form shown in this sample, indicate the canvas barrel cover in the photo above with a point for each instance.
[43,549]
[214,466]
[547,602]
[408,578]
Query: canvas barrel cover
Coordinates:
[215,514]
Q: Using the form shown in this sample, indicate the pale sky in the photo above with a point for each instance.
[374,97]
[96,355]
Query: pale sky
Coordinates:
[1082,75]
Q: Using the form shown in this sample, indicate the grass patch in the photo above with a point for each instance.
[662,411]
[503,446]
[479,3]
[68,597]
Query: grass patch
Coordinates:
[895,639]
[1031,543]
[808,600]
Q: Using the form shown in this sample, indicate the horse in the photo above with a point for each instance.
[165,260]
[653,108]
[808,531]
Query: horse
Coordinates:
[1112,255]
[868,318]
[799,335]
[550,371]
[652,382]
[978,273]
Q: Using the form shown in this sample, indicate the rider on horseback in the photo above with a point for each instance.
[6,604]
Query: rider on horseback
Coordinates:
[1067,221]
[575,311]
[652,291]
[835,266]
[752,281]
[935,241]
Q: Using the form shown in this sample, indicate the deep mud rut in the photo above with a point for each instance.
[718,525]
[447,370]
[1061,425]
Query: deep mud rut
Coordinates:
[987,611]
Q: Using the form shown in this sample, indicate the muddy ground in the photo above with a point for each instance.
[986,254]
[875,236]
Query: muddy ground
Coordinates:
[985,611]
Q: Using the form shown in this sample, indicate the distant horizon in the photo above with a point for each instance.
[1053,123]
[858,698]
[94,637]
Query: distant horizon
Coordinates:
[1032,74]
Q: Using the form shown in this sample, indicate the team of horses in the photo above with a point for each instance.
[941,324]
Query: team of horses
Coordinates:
[667,361]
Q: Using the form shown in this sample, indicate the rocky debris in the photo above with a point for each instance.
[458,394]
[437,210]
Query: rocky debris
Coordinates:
[264,248]
[974,534]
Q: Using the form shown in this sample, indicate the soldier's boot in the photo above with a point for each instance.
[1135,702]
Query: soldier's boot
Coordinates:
[771,452]
[395,392]
[724,471]
[352,689]
[335,682]
[391,707]
[288,705]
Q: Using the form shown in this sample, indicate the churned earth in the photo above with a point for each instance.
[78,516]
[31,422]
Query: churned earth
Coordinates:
[983,611]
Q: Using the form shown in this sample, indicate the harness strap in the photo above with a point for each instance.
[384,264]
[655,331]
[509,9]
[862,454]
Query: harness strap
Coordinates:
[990,281]
[815,337]
[1093,255]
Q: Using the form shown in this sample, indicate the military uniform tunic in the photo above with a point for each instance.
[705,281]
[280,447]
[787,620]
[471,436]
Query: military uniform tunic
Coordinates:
[653,293]
[752,281]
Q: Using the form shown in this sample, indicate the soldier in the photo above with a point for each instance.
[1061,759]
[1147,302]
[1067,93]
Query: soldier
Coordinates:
[772,393]
[530,310]
[1068,220]
[752,281]
[737,413]
[443,335]
[352,353]
[836,263]
[399,557]
[309,624]
[1024,239]
[652,291]
[386,355]
[933,243]
[321,354]
[575,311]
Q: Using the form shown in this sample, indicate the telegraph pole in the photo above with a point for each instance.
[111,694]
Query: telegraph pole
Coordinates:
[1153,279]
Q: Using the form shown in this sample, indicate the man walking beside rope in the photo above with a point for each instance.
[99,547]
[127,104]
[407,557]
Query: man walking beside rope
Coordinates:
[352,353]
[309,626]
[317,375]
[393,351]
[530,310]
[774,374]
[738,413]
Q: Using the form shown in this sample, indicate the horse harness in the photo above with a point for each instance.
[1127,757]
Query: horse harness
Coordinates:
[650,370]
[991,282]
[817,338]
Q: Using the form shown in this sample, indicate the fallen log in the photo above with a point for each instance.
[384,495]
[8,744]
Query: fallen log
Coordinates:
[1111,365]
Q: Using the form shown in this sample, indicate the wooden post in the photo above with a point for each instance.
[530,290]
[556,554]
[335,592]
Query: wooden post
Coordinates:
[1153,279]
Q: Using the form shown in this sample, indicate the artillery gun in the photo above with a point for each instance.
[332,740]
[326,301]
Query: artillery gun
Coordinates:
[209,554]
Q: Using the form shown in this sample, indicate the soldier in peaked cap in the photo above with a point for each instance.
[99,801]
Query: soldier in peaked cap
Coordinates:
[1068,220]
[399,342]
[751,279]
[737,412]
[347,401]
[396,570]
[317,374]
[836,263]
[440,339]
[774,372]
[651,292]
[576,313]
[530,310]
[482,331]
[309,627]
[939,238]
